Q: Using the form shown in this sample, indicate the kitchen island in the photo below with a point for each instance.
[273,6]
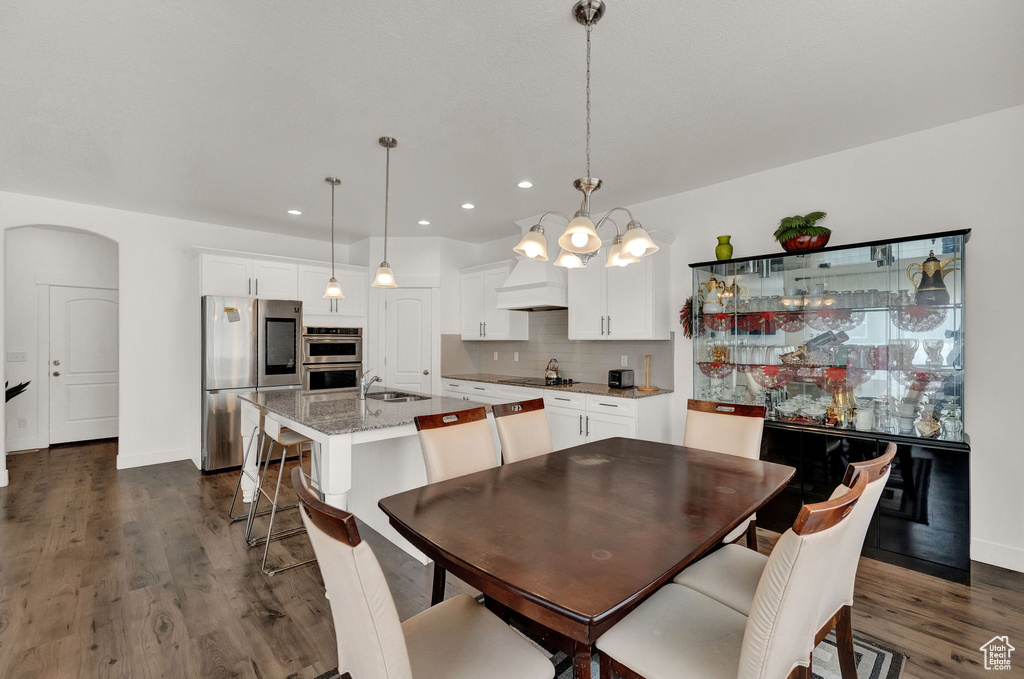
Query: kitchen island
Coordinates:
[369,448]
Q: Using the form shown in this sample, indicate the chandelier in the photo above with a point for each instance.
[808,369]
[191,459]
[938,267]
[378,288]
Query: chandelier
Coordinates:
[580,242]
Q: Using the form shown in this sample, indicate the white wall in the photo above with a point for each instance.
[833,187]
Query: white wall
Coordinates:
[34,255]
[966,175]
[159,312]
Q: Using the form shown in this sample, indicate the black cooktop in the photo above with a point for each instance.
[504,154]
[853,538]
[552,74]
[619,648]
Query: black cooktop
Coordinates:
[539,381]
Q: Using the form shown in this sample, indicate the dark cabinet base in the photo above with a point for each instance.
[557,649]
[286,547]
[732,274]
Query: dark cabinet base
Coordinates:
[923,518]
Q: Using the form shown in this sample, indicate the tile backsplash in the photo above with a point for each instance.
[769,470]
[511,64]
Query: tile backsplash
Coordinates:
[583,361]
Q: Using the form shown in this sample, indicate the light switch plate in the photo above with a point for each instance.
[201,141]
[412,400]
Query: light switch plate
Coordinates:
[17,357]
[515,356]
[625,361]
[495,355]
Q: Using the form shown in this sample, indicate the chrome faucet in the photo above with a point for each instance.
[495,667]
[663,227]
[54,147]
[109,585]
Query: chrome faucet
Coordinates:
[364,383]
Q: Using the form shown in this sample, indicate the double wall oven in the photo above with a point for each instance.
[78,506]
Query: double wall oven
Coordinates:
[332,358]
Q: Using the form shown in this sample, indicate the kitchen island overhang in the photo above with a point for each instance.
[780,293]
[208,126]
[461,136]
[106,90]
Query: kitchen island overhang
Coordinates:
[369,449]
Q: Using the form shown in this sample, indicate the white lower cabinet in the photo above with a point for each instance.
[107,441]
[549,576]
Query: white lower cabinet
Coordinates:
[566,426]
[598,426]
[576,418]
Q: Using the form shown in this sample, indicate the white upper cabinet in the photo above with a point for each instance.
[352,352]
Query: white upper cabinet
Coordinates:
[471,296]
[313,280]
[312,283]
[267,278]
[587,302]
[227,276]
[275,280]
[481,320]
[621,303]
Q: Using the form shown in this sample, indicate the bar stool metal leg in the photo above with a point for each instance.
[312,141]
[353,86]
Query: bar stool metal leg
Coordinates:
[280,534]
[238,484]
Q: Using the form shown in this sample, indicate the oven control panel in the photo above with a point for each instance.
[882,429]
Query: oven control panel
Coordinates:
[332,331]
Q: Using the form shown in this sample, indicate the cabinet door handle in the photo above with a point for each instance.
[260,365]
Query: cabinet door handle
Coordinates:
[602,325]
[480,329]
[609,325]
[608,405]
[581,425]
[559,398]
[257,287]
[588,425]
[485,328]
[250,286]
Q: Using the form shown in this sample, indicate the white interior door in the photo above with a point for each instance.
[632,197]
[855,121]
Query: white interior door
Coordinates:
[83,364]
[407,357]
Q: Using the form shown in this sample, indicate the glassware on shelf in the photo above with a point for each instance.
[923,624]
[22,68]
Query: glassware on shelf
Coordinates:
[933,348]
[901,353]
[951,420]
[883,414]
[917,318]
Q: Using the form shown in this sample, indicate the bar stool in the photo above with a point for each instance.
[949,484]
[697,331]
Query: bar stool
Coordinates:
[272,431]
[257,435]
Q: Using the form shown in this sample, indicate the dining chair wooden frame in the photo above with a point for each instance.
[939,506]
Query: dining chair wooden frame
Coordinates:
[738,410]
[442,421]
[529,440]
[812,519]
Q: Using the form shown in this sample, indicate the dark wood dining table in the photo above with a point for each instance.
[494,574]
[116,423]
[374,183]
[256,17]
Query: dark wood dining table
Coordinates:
[571,542]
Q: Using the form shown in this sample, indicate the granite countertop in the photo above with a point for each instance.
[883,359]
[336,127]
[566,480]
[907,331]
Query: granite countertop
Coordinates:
[343,412]
[577,387]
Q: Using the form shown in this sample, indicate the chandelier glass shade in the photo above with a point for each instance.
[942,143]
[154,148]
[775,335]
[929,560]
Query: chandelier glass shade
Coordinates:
[534,245]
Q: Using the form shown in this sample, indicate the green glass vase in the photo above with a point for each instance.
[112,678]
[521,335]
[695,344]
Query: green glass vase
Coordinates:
[724,248]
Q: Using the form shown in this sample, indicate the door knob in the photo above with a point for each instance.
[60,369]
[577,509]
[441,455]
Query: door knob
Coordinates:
[426,372]
[56,362]
[56,373]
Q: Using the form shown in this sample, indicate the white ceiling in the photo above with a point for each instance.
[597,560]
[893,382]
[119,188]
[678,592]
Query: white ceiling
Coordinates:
[232,112]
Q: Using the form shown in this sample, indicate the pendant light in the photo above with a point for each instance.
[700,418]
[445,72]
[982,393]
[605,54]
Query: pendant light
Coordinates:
[385,278]
[580,241]
[333,289]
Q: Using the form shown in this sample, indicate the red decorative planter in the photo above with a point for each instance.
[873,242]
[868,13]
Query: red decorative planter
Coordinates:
[803,242]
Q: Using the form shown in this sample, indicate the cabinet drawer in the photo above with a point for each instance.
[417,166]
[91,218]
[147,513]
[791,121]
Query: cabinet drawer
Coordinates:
[454,385]
[565,399]
[479,389]
[611,406]
[507,394]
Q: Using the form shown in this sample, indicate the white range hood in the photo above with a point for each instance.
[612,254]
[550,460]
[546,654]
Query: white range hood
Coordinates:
[535,286]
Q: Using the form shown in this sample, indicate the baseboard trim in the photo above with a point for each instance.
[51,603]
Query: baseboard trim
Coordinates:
[155,457]
[1004,556]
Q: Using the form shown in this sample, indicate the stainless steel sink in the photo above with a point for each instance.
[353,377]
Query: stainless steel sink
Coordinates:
[395,396]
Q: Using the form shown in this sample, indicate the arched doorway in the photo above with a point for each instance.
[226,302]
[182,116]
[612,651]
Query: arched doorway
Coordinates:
[61,327]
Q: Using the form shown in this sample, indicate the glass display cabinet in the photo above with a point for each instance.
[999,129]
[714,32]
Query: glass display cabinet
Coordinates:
[850,348]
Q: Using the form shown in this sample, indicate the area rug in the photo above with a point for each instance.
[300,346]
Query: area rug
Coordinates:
[874,661]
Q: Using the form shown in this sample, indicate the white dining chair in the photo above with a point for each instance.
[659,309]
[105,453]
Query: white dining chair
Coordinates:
[731,574]
[727,428]
[457,639]
[454,444]
[679,633]
[523,430]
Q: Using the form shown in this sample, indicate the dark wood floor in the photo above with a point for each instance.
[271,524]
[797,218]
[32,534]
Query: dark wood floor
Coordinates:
[138,574]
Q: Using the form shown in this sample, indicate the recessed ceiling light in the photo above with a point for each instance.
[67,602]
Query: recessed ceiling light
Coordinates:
[423,222]
[468,206]
[295,212]
[525,185]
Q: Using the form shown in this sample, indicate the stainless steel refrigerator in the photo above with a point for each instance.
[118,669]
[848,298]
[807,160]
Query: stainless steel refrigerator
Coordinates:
[248,345]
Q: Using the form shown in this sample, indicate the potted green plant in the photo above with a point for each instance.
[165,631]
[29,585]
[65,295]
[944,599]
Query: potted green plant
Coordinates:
[802,233]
